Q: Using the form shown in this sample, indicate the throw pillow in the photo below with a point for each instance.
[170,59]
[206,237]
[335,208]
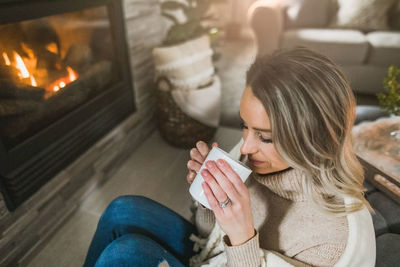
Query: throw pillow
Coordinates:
[187,66]
[307,13]
[365,15]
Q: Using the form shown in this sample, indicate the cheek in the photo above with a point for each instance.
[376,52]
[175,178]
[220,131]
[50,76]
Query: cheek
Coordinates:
[279,162]
[272,156]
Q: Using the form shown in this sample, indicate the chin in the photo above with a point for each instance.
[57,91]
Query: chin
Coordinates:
[260,170]
[266,169]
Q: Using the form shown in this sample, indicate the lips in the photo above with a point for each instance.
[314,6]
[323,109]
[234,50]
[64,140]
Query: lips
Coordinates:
[256,162]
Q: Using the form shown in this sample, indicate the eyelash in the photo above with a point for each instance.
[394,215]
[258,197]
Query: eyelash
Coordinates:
[268,141]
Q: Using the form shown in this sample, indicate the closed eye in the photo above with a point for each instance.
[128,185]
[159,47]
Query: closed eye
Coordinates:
[264,140]
[243,126]
[259,134]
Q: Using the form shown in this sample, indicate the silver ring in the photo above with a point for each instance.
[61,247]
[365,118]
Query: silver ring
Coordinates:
[225,203]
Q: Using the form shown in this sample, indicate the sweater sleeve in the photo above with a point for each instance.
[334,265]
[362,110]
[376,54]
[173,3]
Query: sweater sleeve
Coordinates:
[249,254]
[246,254]
[204,220]
[322,255]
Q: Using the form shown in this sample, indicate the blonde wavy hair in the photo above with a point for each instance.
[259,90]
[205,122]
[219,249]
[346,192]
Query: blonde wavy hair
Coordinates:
[311,108]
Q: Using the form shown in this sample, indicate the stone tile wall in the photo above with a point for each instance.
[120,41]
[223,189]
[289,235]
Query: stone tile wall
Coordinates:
[25,231]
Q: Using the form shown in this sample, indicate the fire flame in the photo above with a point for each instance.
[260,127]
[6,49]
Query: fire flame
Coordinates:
[52,48]
[26,68]
[33,81]
[6,59]
[23,72]
[71,74]
[61,83]
[20,65]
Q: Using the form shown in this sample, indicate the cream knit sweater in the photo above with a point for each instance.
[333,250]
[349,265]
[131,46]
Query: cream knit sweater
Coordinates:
[287,223]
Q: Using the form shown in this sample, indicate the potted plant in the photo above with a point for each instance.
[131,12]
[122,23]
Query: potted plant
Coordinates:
[188,95]
[390,99]
[197,20]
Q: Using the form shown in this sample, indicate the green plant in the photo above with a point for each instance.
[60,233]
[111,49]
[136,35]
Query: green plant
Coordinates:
[197,20]
[390,99]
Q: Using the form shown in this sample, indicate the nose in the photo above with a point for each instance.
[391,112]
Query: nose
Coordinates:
[250,145]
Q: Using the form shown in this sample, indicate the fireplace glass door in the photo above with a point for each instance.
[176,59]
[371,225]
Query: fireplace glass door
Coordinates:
[50,66]
[65,82]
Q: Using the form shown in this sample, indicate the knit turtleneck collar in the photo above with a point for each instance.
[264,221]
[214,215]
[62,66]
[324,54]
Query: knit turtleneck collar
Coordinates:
[286,183]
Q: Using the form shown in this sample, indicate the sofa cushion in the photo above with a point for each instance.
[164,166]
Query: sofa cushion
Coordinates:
[380,225]
[387,250]
[365,79]
[307,13]
[389,209]
[385,47]
[364,15]
[342,46]
[369,113]
[370,188]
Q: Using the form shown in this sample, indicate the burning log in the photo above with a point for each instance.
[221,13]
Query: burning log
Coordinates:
[39,34]
[49,61]
[66,99]
[98,76]
[79,57]
[20,91]
[78,91]
[8,73]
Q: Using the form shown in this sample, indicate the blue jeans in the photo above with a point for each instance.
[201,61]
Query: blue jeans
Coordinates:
[137,231]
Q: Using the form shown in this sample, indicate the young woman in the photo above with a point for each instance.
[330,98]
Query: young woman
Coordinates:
[302,205]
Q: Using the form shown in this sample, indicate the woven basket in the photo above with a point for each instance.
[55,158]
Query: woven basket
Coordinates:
[175,126]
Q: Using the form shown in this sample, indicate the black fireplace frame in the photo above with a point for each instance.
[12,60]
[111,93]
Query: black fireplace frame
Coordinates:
[25,168]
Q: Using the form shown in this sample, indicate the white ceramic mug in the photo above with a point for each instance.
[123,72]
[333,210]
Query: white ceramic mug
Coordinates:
[196,190]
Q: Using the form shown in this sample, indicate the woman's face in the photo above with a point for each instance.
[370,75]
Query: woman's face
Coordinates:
[258,145]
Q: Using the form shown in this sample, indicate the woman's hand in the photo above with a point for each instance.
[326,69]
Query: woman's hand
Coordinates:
[221,183]
[197,157]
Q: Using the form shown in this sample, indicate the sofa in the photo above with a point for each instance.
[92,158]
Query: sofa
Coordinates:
[362,36]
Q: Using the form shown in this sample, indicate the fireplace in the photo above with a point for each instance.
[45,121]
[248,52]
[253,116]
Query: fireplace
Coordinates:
[65,81]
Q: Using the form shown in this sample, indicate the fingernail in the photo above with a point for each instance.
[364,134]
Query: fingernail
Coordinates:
[204,173]
[209,163]
[220,162]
